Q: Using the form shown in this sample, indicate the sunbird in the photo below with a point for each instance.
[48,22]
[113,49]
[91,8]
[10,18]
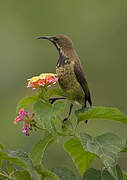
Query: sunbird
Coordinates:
[69,71]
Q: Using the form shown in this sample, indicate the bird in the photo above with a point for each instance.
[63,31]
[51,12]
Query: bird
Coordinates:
[69,71]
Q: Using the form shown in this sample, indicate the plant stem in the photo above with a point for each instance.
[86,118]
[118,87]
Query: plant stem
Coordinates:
[43,129]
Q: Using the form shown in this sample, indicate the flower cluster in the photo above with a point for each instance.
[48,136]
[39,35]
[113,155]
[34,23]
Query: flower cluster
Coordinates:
[26,119]
[45,79]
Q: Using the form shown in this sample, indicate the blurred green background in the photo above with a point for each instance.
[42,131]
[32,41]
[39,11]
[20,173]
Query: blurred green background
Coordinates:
[99,33]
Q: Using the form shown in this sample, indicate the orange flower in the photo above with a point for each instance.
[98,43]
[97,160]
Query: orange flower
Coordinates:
[45,79]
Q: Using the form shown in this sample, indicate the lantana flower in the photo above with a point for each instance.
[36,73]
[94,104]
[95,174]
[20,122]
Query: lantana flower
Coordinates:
[45,79]
[25,117]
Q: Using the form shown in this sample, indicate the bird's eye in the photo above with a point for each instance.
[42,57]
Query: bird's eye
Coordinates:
[55,39]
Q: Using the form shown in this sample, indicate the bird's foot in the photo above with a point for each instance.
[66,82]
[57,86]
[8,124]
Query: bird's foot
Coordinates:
[65,123]
[84,108]
[65,119]
[52,100]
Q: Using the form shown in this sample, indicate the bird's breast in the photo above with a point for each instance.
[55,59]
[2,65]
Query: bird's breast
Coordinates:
[68,81]
[65,75]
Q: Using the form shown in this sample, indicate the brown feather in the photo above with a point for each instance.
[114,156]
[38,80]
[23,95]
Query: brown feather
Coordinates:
[69,71]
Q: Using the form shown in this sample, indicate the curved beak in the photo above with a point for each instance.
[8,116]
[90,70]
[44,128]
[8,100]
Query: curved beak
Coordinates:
[50,38]
[45,37]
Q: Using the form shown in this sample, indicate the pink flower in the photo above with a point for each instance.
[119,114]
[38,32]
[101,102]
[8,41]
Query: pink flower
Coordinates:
[26,118]
[21,112]
[45,79]
[25,129]
[20,116]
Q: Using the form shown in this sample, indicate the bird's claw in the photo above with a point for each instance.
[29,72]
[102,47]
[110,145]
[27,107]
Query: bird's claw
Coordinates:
[51,100]
[64,124]
[86,121]
[65,119]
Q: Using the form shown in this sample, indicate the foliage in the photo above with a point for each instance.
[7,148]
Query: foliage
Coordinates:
[107,147]
[80,156]
[82,147]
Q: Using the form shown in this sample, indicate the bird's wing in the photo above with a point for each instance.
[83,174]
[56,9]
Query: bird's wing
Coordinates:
[82,81]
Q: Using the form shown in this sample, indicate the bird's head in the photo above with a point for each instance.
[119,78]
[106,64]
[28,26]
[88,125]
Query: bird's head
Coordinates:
[62,42]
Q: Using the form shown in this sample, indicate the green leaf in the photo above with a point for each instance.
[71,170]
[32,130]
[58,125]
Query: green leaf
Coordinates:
[37,152]
[81,158]
[107,147]
[107,176]
[58,108]
[125,175]
[45,172]
[44,111]
[49,113]
[22,175]
[64,173]
[9,167]
[15,160]
[93,174]
[3,176]
[25,102]
[23,156]
[119,172]
[58,92]
[125,149]
[2,146]
[101,113]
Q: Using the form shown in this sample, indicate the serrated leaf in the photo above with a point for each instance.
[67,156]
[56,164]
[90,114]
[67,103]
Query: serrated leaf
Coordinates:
[22,175]
[37,152]
[48,113]
[25,102]
[101,113]
[46,173]
[64,173]
[107,146]
[81,158]
[94,174]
